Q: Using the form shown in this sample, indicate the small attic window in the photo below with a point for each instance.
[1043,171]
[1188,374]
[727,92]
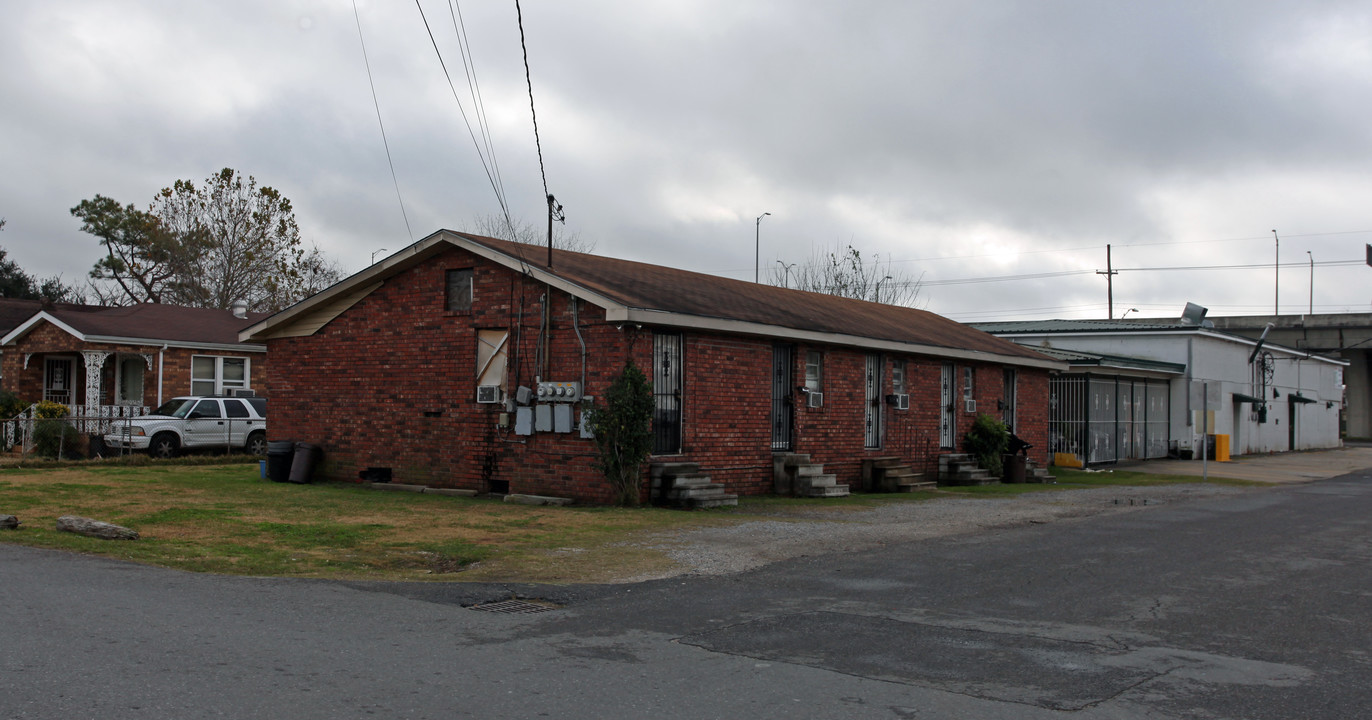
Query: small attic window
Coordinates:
[459,290]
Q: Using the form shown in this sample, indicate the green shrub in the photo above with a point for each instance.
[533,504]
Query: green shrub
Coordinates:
[987,441]
[624,433]
[52,438]
[10,405]
[50,410]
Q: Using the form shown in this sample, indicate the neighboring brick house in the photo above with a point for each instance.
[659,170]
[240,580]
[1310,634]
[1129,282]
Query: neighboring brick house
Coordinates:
[416,365]
[120,361]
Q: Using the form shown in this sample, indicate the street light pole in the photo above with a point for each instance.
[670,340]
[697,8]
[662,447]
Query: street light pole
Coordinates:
[787,267]
[879,282]
[1312,281]
[757,245]
[1276,274]
[374,255]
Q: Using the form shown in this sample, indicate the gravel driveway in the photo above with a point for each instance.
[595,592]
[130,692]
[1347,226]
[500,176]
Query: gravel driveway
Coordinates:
[726,550]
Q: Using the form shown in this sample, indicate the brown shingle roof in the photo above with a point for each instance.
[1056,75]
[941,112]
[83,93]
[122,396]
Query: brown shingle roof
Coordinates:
[148,321]
[655,287]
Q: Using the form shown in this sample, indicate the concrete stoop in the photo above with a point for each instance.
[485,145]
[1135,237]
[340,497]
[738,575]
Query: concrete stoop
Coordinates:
[794,474]
[684,485]
[1036,474]
[891,475]
[962,469]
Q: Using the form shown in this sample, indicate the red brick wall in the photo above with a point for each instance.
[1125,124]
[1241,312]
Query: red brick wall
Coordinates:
[47,339]
[391,382]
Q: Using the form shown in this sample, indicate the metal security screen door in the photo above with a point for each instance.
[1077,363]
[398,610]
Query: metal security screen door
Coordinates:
[783,409]
[666,393]
[871,436]
[945,422]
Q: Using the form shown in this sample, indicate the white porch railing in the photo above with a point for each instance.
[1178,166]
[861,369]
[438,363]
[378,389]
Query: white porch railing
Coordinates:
[105,419]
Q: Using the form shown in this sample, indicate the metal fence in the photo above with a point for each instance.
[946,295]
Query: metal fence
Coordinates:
[105,420]
[1102,419]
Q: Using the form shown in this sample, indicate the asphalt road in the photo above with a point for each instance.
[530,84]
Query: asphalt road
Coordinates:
[1256,606]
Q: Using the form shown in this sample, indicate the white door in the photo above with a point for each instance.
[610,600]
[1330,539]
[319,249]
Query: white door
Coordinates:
[205,425]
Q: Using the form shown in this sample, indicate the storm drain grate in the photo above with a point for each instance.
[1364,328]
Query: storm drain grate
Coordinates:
[514,607]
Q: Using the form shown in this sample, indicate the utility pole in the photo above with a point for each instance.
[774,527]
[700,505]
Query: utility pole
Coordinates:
[1110,272]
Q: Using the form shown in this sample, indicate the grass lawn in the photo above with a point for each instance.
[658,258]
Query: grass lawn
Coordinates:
[225,519]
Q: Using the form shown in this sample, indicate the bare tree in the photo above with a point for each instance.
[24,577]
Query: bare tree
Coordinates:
[846,274]
[205,246]
[530,234]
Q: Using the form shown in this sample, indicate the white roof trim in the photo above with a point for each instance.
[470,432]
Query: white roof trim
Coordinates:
[695,322]
[39,317]
[1206,332]
[616,312]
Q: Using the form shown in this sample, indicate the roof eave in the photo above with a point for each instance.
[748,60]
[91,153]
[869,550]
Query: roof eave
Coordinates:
[42,315]
[694,322]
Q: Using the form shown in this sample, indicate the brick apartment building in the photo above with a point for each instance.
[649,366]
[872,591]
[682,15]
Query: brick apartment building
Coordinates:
[464,361]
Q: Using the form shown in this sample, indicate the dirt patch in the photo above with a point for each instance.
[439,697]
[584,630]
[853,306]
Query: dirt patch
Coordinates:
[748,545]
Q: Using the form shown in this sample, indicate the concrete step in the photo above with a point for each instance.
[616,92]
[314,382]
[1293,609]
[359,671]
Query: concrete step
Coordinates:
[674,468]
[706,503]
[828,491]
[797,459]
[804,470]
[690,481]
[917,486]
[696,492]
[810,482]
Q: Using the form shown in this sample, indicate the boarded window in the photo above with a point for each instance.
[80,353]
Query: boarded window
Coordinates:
[491,357]
[459,290]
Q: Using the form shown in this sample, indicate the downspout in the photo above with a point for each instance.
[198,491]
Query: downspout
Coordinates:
[159,374]
[576,326]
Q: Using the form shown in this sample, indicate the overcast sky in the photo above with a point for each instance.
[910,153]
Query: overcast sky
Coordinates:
[959,139]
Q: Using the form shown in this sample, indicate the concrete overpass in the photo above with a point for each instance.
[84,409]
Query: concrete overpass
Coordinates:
[1343,336]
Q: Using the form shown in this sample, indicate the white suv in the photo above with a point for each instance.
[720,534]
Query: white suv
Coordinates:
[195,422]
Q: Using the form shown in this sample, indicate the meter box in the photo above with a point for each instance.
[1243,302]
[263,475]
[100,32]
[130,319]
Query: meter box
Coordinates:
[559,392]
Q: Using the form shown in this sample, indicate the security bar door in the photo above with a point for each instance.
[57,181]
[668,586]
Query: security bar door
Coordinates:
[666,393]
[945,422]
[783,408]
[871,436]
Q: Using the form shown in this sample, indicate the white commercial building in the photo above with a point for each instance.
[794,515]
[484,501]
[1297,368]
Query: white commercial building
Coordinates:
[1126,377]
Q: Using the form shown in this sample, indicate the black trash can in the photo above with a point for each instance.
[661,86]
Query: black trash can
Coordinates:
[279,456]
[306,455]
[1014,470]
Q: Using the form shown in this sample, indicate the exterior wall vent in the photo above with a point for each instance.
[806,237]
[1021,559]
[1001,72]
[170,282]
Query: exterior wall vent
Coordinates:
[488,394]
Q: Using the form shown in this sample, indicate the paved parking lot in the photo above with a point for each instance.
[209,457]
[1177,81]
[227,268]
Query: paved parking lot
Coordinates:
[1291,467]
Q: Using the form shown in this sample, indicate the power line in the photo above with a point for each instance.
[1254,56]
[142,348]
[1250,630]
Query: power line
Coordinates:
[377,104]
[490,176]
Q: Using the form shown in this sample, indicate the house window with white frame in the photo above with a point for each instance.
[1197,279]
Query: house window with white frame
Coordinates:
[814,371]
[217,375]
[898,377]
[968,391]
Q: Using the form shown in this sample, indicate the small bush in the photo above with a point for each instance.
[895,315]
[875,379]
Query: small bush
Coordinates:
[623,433]
[55,437]
[10,405]
[49,410]
[987,441]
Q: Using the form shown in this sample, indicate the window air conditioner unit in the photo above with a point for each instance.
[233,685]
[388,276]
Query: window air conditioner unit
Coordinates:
[242,392]
[901,401]
[969,405]
[814,399]
[488,394]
